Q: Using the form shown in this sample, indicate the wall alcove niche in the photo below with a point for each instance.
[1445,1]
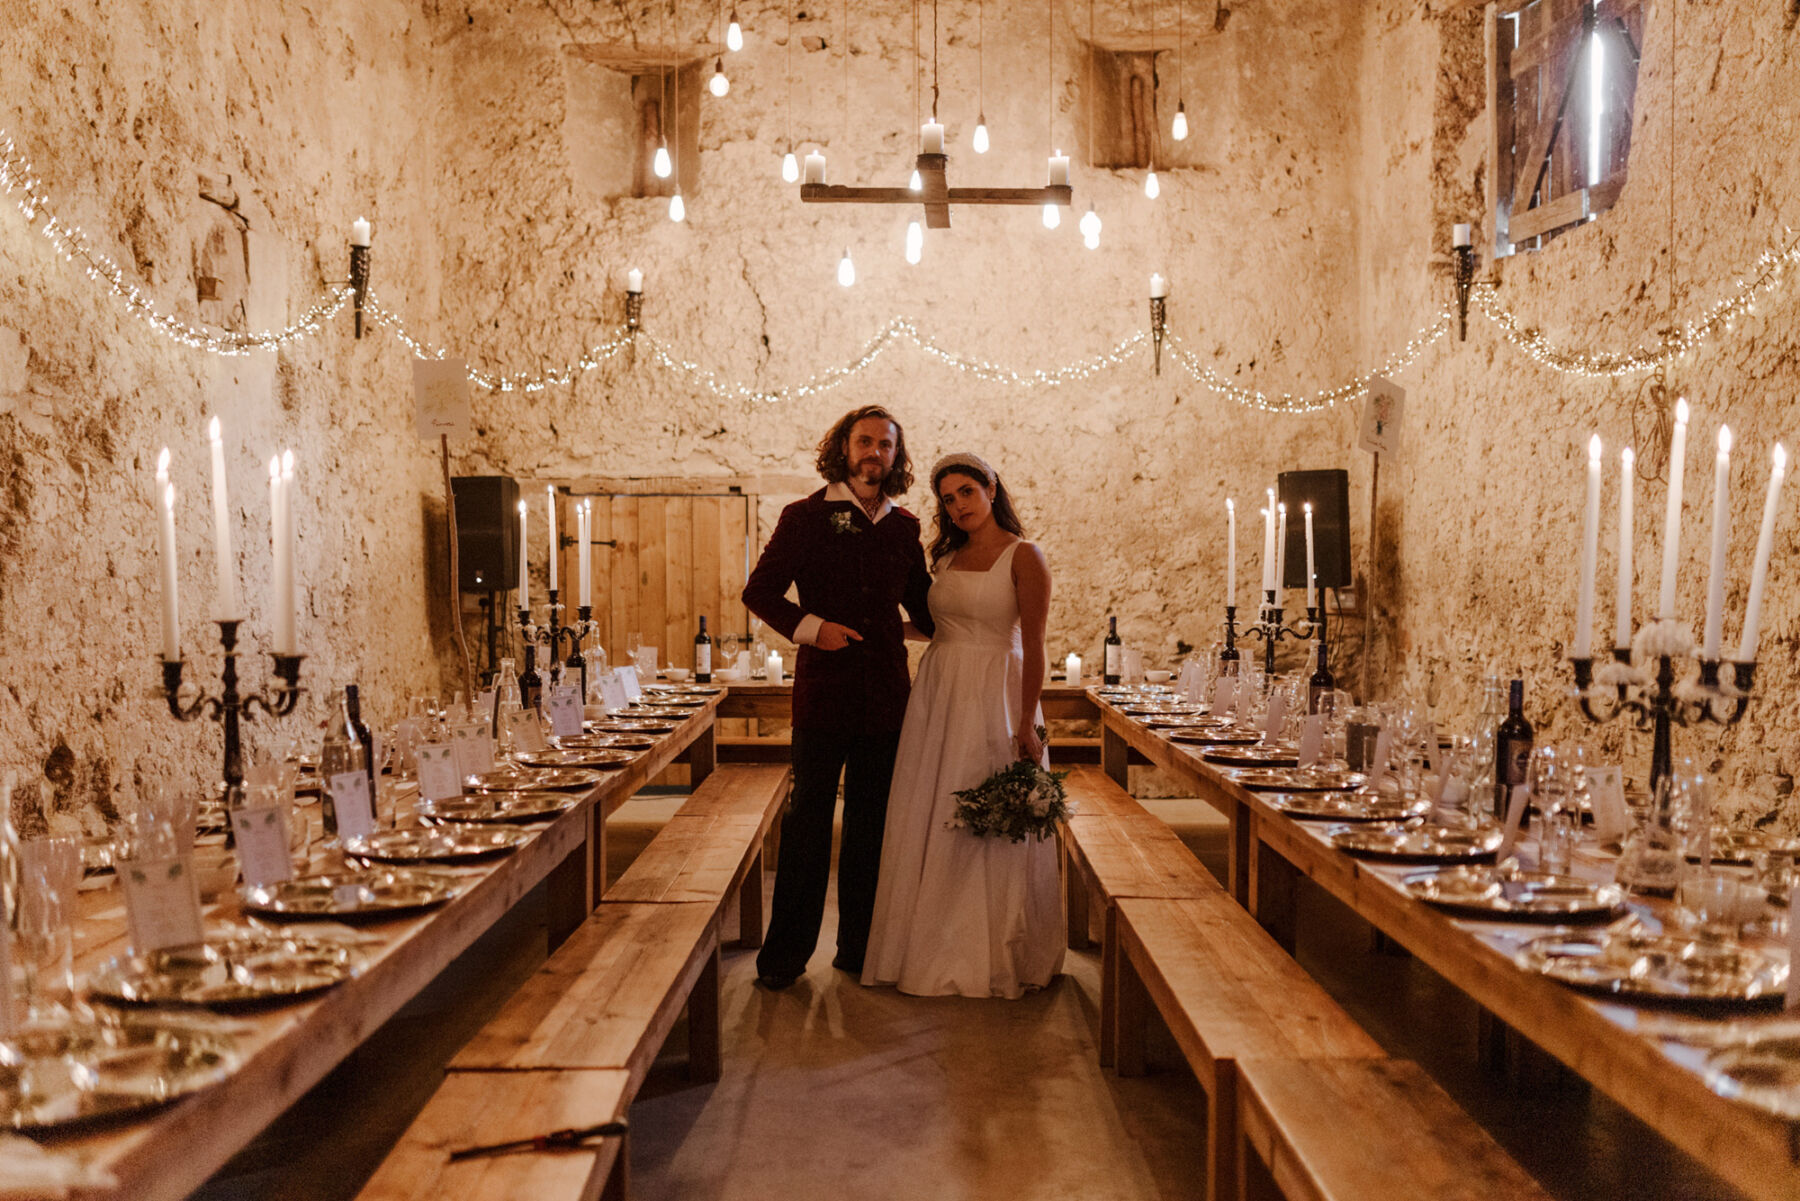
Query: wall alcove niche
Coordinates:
[621,101]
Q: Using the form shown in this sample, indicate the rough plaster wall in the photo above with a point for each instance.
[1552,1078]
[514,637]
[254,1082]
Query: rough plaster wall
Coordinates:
[1122,477]
[316,112]
[1487,494]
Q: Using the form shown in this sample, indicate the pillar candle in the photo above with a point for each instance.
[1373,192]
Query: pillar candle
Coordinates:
[1665,607]
[815,168]
[1280,552]
[773,667]
[1721,533]
[359,232]
[524,563]
[1312,589]
[634,280]
[931,138]
[1759,572]
[289,522]
[1159,287]
[1230,552]
[1462,235]
[1059,170]
[1590,554]
[1627,485]
[228,598]
[165,546]
[550,533]
[1072,668]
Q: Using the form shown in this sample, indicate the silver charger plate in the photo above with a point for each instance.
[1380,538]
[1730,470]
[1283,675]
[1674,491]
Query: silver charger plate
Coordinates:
[1761,1070]
[559,779]
[1742,846]
[1214,736]
[437,844]
[664,713]
[583,742]
[380,892]
[1300,779]
[230,972]
[502,808]
[626,725]
[1425,844]
[1280,755]
[602,758]
[111,1066]
[1632,965]
[1349,807]
[1491,895]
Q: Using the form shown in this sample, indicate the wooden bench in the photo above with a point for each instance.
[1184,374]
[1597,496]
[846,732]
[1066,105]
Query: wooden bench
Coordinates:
[713,847]
[1114,848]
[479,1108]
[1348,1129]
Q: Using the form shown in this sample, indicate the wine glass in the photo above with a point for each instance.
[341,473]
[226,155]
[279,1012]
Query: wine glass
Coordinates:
[728,650]
[633,643]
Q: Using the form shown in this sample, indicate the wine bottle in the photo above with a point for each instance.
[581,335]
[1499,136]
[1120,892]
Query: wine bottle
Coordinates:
[1113,654]
[1512,749]
[702,655]
[341,751]
[1321,682]
[531,684]
[361,731]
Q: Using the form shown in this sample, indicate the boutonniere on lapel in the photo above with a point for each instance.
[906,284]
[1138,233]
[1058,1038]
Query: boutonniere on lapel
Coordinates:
[843,523]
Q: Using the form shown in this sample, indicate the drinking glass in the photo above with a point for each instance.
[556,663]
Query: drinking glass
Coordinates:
[51,876]
[633,643]
[728,649]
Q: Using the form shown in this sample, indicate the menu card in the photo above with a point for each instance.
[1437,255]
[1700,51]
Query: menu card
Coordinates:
[563,707]
[633,690]
[1606,796]
[474,748]
[1312,740]
[1378,760]
[351,801]
[613,696]
[526,731]
[262,845]
[439,778]
[162,903]
[1515,817]
[1224,698]
[1277,715]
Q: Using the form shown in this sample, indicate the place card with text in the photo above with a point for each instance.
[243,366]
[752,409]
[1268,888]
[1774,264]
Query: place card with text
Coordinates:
[1378,758]
[162,904]
[1793,941]
[563,707]
[1312,740]
[262,845]
[1606,797]
[1515,818]
[613,696]
[474,745]
[1224,697]
[633,690]
[526,731]
[351,802]
[1277,716]
[439,778]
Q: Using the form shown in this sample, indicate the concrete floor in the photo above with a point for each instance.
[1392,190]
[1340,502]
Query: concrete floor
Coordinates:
[831,1090]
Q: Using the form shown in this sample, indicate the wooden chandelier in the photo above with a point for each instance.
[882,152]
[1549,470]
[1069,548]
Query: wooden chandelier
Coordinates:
[936,194]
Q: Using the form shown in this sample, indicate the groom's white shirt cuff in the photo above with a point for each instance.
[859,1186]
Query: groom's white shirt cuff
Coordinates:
[807,632]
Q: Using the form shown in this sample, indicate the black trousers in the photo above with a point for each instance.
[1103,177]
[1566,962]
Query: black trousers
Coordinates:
[867,764]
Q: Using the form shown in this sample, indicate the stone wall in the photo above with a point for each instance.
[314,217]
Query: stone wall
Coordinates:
[296,119]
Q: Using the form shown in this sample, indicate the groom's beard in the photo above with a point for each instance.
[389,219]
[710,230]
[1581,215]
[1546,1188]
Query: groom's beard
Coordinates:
[871,471]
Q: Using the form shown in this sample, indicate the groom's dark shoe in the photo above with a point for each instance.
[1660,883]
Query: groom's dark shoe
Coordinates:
[775,983]
[845,963]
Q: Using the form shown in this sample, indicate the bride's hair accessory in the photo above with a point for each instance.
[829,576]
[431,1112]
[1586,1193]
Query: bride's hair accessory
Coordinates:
[964,459]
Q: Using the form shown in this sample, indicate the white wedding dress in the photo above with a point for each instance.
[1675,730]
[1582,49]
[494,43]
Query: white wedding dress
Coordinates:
[956,913]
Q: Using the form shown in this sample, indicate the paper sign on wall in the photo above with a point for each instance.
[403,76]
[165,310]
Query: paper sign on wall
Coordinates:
[441,397]
[262,845]
[439,778]
[1382,410]
[162,904]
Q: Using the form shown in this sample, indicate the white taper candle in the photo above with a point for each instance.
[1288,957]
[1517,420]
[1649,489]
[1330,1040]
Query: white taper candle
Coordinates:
[1230,552]
[228,598]
[1721,534]
[1590,555]
[1665,603]
[1627,489]
[165,545]
[1759,572]
[524,562]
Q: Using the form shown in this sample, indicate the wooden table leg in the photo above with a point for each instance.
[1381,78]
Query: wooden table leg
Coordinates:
[618,1181]
[702,756]
[1131,1015]
[1115,757]
[1243,840]
[1274,891]
[596,850]
[750,905]
[1110,956]
[705,1034]
[1075,901]
[1222,1132]
[567,896]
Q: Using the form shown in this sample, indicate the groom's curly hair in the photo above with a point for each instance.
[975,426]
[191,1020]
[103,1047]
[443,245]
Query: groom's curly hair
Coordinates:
[834,458]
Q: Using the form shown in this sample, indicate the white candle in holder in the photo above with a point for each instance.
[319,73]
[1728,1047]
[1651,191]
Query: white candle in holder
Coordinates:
[584,523]
[1072,668]
[1230,552]
[1721,533]
[1268,563]
[815,168]
[773,667]
[1312,589]
[1059,170]
[1627,485]
[290,598]
[550,533]
[1665,606]
[165,546]
[1159,287]
[524,563]
[931,138]
[281,591]
[634,280]
[1590,555]
[1280,552]
[228,598]
[1759,572]
[359,232]
[1462,235]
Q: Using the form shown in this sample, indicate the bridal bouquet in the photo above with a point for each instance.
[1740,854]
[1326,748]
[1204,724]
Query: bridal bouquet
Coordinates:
[1020,800]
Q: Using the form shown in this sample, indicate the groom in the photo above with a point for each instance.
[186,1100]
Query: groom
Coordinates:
[856,558]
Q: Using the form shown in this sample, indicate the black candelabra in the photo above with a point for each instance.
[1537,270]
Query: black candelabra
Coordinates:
[1159,326]
[552,635]
[1228,658]
[231,706]
[359,282]
[1658,704]
[1465,280]
[1270,629]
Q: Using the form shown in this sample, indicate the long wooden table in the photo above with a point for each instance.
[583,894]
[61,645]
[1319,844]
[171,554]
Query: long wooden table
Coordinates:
[760,698]
[1629,1052]
[288,1050]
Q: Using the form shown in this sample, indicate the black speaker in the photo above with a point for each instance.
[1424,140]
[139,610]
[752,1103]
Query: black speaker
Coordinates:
[487,532]
[1329,494]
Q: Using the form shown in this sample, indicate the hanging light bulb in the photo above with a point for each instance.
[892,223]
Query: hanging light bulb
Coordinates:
[677,210]
[1152,189]
[1092,243]
[719,85]
[1179,132]
[1052,216]
[734,34]
[917,182]
[661,163]
[846,269]
[981,138]
[915,243]
[790,167]
[1090,228]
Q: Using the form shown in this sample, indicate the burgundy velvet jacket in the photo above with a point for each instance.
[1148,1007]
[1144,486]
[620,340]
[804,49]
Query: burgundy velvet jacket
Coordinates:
[858,574]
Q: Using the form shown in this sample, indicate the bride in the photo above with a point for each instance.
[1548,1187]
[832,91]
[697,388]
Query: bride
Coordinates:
[957,913]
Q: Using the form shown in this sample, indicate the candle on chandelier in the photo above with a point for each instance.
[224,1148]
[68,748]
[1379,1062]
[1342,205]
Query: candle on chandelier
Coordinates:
[1759,572]
[524,563]
[1059,170]
[550,531]
[1230,552]
[1463,236]
[1280,552]
[165,546]
[290,597]
[359,232]
[931,138]
[1590,553]
[228,598]
[1312,591]
[1627,484]
[281,614]
[1268,555]
[584,522]
[815,168]
[1721,533]
[1159,287]
[1665,607]
[634,280]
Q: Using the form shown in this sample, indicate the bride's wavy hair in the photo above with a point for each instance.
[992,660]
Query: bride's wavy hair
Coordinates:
[834,451]
[949,536]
